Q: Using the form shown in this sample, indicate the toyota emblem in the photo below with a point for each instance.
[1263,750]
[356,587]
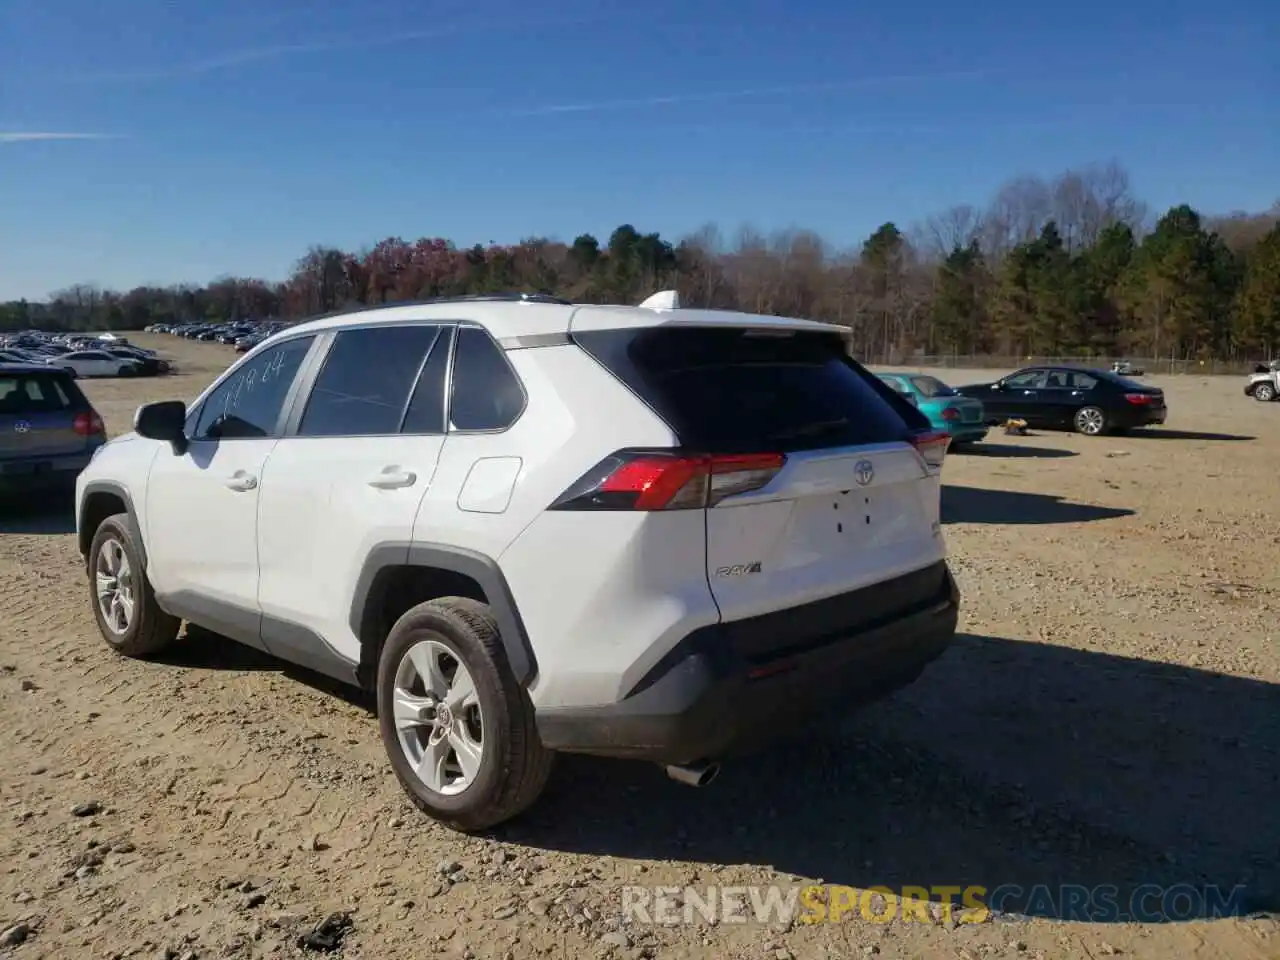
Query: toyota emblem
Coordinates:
[22,426]
[864,472]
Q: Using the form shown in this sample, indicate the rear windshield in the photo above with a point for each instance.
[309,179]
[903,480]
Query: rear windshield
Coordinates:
[36,393]
[932,387]
[1123,382]
[752,391]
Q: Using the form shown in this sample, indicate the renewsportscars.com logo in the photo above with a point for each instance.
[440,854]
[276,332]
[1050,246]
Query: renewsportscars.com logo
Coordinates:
[827,903]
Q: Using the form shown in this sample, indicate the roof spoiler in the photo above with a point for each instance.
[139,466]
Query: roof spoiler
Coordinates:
[662,300]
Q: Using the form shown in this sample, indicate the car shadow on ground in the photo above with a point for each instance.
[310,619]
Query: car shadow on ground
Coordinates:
[1015,766]
[980,505]
[202,649]
[1015,451]
[40,514]
[1160,433]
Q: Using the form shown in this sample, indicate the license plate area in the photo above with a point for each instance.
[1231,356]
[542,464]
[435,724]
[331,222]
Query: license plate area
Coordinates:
[835,525]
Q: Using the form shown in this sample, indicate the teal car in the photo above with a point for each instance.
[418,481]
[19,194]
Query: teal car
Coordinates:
[962,417]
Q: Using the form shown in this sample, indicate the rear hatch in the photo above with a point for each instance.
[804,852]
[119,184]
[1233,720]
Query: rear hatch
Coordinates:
[43,415]
[821,480]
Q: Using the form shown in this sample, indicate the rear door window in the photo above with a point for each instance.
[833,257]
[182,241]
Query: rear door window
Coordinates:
[364,386]
[1076,380]
[739,390]
[425,414]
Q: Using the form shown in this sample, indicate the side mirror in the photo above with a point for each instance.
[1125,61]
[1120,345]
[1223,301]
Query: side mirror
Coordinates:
[165,420]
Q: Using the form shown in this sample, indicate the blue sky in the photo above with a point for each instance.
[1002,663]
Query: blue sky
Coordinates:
[232,134]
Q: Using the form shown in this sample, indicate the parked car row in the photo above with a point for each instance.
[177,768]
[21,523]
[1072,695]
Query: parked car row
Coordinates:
[244,335]
[107,355]
[1091,402]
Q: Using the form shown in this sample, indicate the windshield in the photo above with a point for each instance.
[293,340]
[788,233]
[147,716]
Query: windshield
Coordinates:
[932,387]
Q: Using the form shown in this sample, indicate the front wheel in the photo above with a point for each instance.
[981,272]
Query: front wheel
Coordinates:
[1264,392]
[1090,421]
[129,618]
[457,727]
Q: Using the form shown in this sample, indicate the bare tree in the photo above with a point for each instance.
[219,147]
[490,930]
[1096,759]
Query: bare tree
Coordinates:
[943,232]
[1017,214]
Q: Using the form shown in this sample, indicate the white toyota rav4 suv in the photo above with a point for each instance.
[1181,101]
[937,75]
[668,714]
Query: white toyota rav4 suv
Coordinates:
[533,526]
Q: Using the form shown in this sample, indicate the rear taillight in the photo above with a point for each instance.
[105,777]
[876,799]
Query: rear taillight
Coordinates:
[932,445]
[950,413]
[88,424]
[646,480]
[1139,398]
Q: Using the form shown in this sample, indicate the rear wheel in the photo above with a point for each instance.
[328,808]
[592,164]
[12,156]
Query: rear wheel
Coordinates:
[129,619]
[458,729]
[1090,421]
[1264,392]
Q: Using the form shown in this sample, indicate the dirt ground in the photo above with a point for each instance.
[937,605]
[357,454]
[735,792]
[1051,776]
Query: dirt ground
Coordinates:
[1110,716]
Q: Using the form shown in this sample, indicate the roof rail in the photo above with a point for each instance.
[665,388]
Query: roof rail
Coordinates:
[506,297]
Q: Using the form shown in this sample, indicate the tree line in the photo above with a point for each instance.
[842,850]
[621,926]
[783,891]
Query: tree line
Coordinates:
[1069,266]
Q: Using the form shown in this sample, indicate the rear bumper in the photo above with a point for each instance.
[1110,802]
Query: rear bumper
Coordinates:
[711,698]
[39,473]
[1135,416]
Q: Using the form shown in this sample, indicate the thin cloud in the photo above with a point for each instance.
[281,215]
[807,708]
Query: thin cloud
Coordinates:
[743,94]
[36,136]
[237,58]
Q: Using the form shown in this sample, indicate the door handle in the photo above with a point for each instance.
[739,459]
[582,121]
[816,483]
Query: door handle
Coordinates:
[393,478]
[241,481]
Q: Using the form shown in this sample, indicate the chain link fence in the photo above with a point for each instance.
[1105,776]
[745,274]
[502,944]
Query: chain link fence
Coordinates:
[1149,366]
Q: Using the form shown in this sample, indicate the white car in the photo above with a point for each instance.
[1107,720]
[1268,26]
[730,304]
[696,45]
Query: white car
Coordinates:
[533,526]
[95,363]
[1264,382]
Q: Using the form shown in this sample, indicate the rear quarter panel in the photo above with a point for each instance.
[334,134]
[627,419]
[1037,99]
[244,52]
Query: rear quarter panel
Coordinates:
[602,594]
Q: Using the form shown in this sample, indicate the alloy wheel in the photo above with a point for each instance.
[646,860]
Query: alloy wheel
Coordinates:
[1089,421]
[113,577]
[438,718]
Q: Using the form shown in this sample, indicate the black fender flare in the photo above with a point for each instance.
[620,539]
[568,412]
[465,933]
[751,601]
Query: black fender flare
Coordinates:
[85,537]
[468,563]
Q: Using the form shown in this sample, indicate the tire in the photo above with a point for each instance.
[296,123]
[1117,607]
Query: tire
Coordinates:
[149,629]
[1091,421]
[513,765]
[1264,392]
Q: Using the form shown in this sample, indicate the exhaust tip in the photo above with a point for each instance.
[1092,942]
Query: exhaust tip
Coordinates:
[694,774]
